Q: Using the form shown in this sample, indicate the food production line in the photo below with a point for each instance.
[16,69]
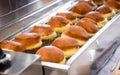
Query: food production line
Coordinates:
[23,18]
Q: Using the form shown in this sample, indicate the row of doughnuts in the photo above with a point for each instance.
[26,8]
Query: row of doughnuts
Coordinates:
[74,32]
[72,36]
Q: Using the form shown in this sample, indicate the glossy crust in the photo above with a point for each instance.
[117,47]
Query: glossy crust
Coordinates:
[98,17]
[68,15]
[58,23]
[88,24]
[98,2]
[81,8]
[65,43]
[29,40]
[90,2]
[78,33]
[68,45]
[11,46]
[45,31]
[51,54]
[115,4]
[106,10]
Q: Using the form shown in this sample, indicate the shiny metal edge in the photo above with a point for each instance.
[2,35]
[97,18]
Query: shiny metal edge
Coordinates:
[55,66]
[55,69]
[69,62]
[90,41]
[24,23]
[18,8]
[82,64]
[20,63]
[79,52]
[52,66]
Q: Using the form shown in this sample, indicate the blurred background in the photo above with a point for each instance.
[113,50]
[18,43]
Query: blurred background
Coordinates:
[12,10]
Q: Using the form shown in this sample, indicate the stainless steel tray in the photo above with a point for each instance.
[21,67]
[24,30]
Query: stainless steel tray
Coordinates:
[19,19]
[80,62]
[23,64]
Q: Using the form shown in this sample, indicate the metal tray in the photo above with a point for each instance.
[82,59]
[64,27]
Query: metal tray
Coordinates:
[17,20]
[79,63]
[27,65]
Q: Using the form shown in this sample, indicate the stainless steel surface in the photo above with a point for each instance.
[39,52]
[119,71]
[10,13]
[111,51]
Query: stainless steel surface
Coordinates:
[13,10]
[110,66]
[80,62]
[55,69]
[83,60]
[34,69]
[21,63]
[7,6]
[18,25]
[105,58]
[4,9]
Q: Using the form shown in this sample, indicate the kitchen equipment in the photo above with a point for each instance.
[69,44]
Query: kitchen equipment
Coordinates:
[5,62]
[22,64]
[81,61]
[111,66]
[101,61]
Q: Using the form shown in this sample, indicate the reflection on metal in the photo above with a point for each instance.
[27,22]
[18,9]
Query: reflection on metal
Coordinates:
[11,10]
[104,37]
[10,27]
[92,53]
[21,64]
[80,62]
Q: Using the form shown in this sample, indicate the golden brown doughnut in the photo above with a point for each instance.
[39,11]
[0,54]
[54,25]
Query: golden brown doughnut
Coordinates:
[11,46]
[98,17]
[81,9]
[51,54]
[29,40]
[68,45]
[59,23]
[45,31]
[106,11]
[78,33]
[89,25]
